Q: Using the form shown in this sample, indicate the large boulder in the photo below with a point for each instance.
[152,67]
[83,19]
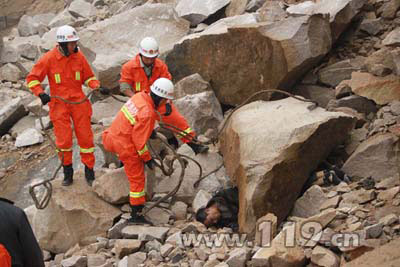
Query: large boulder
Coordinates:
[333,74]
[113,186]
[271,55]
[376,157]
[75,215]
[341,12]
[270,149]
[107,108]
[202,111]
[112,48]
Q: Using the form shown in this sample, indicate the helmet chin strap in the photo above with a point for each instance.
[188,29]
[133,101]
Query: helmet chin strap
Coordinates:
[156,99]
[64,47]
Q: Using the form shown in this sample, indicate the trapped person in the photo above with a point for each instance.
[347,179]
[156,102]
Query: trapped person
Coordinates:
[17,239]
[221,210]
[138,74]
[67,69]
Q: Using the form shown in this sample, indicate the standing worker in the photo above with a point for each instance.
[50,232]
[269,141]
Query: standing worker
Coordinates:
[67,69]
[138,74]
[127,137]
[17,241]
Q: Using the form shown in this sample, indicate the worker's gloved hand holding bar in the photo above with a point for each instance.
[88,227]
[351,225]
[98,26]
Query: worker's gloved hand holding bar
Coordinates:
[104,91]
[45,98]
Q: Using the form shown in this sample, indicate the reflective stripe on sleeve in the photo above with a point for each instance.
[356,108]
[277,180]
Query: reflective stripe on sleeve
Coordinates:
[33,83]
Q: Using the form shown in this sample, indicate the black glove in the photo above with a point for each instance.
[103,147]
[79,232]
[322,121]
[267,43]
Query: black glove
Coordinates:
[153,134]
[168,109]
[45,98]
[104,91]
[151,163]
[173,142]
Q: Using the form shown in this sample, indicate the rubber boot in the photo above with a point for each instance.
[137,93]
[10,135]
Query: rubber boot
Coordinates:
[68,175]
[137,217]
[198,148]
[89,175]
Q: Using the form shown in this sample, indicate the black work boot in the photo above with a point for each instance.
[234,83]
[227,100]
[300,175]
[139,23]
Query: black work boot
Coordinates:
[137,217]
[89,175]
[68,174]
[198,148]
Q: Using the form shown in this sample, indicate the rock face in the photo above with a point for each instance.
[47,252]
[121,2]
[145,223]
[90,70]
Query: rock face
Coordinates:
[199,10]
[270,161]
[376,157]
[341,12]
[113,186]
[74,215]
[202,111]
[10,113]
[111,48]
[274,55]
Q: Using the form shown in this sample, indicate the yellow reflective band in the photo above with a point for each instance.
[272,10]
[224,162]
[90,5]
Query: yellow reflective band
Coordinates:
[77,76]
[87,150]
[185,132]
[137,194]
[144,150]
[128,115]
[63,149]
[137,86]
[33,83]
[90,79]
[57,77]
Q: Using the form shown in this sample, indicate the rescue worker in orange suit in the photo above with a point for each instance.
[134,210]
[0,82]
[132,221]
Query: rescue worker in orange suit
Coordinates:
[138,74]
[127,137]
[18,245]
[67,69]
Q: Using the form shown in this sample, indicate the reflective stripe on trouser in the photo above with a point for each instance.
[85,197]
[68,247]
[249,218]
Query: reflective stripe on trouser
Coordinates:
[133,166]
[177,120]
[61,114]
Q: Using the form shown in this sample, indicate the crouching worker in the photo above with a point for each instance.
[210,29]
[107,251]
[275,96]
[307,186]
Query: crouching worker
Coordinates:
[221,210]
[127,137]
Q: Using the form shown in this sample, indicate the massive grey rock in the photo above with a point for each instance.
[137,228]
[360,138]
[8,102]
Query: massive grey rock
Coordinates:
[28,51]
[333,74]
[275,55]
[62,18]
[111,49]
[10,72]
[310,203]
[74,215]
[106,108]
[202,111]
[43,18]
[199,10]
[190,85]
[8,54]
[236,7]
[272,11]
[10,113]
[81,8]
[113,186]
[375,157]
[270,161]
[27,26]
[341,12]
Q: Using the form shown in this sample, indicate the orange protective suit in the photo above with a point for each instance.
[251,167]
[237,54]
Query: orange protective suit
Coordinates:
[5,258]
[66,76]
[127,137]
[134,77]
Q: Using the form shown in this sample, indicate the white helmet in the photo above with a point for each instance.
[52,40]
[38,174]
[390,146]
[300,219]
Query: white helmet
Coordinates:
[163,87]
[66,34]
[148,47]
